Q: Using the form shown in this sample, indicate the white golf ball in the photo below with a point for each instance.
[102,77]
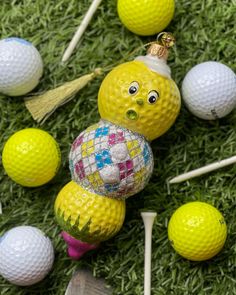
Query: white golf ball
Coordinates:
[21,66]
[209,90]
[26,255]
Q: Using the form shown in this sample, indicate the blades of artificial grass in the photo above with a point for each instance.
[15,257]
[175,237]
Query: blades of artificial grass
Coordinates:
[204,30]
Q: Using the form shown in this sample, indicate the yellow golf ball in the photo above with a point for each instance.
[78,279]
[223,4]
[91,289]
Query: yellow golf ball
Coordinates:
[31,157]
[139,99]
[146,17]
[87,216]
[197,231]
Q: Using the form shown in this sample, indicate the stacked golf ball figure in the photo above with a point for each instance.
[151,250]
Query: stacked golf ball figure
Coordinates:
[112,160]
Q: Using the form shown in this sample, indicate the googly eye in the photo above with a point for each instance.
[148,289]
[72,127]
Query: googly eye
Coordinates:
[133,88]
[153,96]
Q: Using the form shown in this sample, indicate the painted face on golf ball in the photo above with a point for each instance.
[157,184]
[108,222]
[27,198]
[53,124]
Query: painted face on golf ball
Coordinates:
[209,90]
[141,100]
[21,66]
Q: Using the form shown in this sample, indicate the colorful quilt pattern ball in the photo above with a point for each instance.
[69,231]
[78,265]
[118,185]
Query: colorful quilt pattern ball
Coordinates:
[111,160]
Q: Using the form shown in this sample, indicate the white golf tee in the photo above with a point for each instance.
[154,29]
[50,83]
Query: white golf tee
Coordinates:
[148,220]
[81,29]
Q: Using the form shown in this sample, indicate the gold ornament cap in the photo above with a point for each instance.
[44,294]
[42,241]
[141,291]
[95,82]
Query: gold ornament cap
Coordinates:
[157,54]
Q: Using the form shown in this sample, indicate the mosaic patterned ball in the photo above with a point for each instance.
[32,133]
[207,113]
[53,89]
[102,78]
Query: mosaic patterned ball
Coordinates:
[111,160]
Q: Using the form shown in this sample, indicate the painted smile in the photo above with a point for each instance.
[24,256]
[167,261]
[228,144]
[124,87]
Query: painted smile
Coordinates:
[132,115]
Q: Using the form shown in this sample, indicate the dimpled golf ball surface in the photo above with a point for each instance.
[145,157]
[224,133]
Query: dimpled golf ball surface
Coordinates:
[145,17]
[209,90]
[26,255]
[31,157]
[111,161]
[21,66]
[197,231]
[87,216]
[139,99]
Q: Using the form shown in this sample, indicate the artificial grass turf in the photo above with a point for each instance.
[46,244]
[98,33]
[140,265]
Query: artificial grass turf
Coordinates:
[205,30]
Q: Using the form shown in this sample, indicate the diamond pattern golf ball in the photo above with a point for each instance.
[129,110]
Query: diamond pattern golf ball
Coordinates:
[197,231]
[87,216]
[21,66]
[146,17]
[31,157]
[26,255]
[133,96]
[209,90]
[110,160]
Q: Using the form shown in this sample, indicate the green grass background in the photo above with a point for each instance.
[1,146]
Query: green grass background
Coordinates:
[205,30]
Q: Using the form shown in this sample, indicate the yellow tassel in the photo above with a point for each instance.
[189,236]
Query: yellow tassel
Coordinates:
[42,106]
